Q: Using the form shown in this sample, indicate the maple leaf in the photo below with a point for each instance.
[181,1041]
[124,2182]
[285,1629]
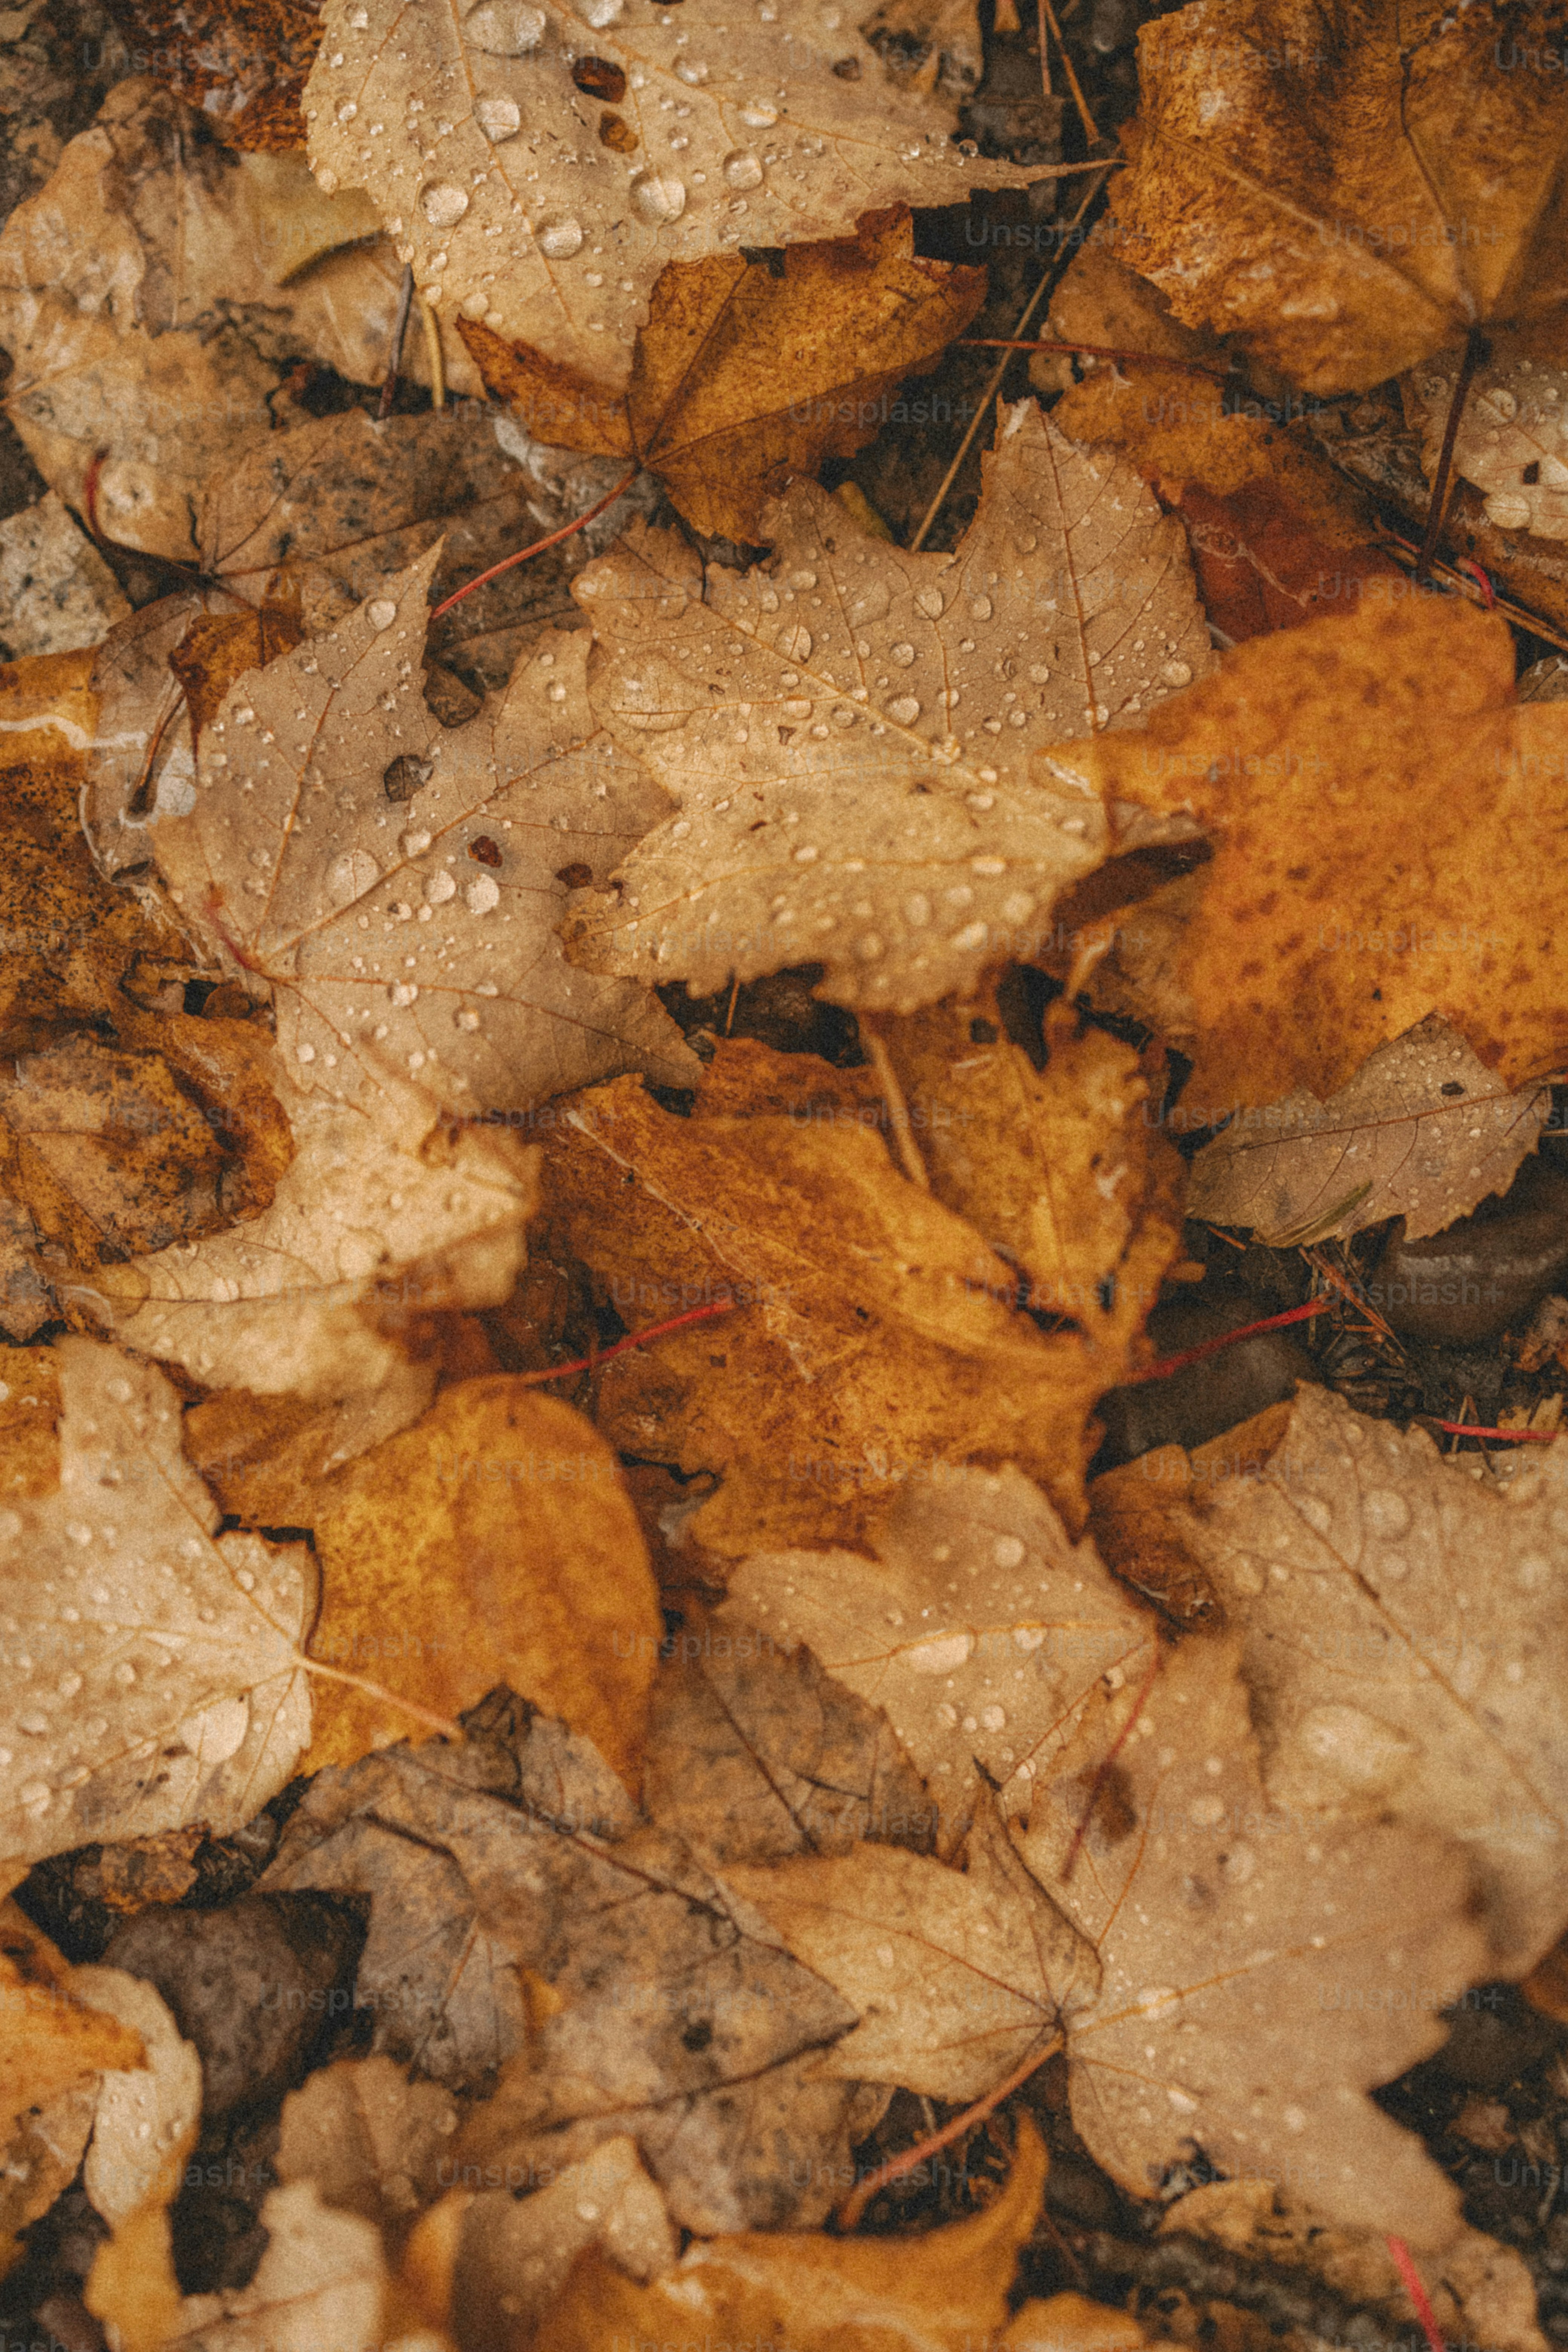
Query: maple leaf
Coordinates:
[1398,185]
[150,297]
[330,803]
[876,816]
[980,1629]
[1423,1131]
[557,176]
[875,1338]
[497,1537]
[744,376]
[1227,1929]
[1344,771]
[1510,439]
[948,2289]
[517,1907]
[1061,1168]
[376,1218]
[1409,1663]
[116,1725]
[958,1975]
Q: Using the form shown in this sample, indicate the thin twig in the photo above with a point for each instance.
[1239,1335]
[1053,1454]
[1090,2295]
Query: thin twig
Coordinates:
[539,546]
[1169,1364]
[982,404]
[1506,1436]
[904,1142]
[1090,131]
[855,2204]
[434,353]
[395,357]
[1477,350]
[1417,2293]
[1045,50]
[633,1339]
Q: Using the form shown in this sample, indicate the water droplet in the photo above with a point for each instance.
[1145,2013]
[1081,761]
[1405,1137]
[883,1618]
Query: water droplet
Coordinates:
[380,613]
[442,205]
[439,888]
[600,12]
[1177,672]
[481,894]
[350,876]
[1507,510]
[327,180]
[404,992]
[917,910]
[795,643]
[980,608]
[930,602]
[906,711]
[497,118]
[993,1718]
[1501,402]
[743,169]
[903,655]
[347,110]
[35,1725]
[1007,1551]
[868,947]
[759,114]
[941,1654]
[658,196]
[973,935]
[796,707]
[559,240]
[1385,1512]
[120,1390]
[1363,1754]
[505,28]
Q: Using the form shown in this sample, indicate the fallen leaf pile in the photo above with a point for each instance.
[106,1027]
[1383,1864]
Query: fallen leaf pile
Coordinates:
[782,1240]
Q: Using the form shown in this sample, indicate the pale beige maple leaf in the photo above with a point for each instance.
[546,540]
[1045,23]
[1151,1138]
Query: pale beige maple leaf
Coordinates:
[957,1974]
[981,1630]
[153,1677]
[1262,1969]
[1406,1645]
[146,2113]
[376,1216]
[399,884]
[152,295]
[848,728]
[539,168]
[1424,1130]
[1512,438]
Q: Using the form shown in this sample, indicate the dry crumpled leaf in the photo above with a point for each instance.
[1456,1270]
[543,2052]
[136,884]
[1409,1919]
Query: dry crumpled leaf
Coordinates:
[518,1908]
[147,2116]
[376,1219]
[119,1728]
[1344,773]
[1410,1664]
[330,805]
[1396,185]
[152,296]
[243,62]
[1482,2293]
[744,376]
[757,1753]
[58,2038]
[947,2290]
[1261,1969]
[928,44]
[1062,1168]
[873,1339]
[1423,1131]
[958,1975]
[56,590]
[369,2140]
[321,2280]
[847,728]
[553,181]
[981,1630]
[492,1542]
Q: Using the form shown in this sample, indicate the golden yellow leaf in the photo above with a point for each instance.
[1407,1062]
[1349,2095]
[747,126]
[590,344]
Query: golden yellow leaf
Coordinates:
[1389,829]
[815,2293]
[492,1542]
[53,2039]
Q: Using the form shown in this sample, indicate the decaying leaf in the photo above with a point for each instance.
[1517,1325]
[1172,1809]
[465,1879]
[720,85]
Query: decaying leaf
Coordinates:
[1061,1168]
[145,2122]
[321,2280]
[518,1908]
[1344,773]
[757,1753]
[1510,442]
[847,728]
[243,62]
[549,182]
[928,44]
[958,1975]
[375,1220]
[330,805]
[1423,1131]
[873,1339]
[1392,185]
[1410,1662]
[56,2038]
[1262,1969]
[115,1726]
[492,1542]
[947,2290]
[515,2254]
[56,590]
[152,296]
[367,2139]
[744,377]
[981,1630]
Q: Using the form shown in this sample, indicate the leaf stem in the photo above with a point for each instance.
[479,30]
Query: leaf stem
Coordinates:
[855,2204]
[1170,1364]
[539,546]
[1477,351]
[433,1722]
[1417,2293]
[394,356]
[632,1340]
